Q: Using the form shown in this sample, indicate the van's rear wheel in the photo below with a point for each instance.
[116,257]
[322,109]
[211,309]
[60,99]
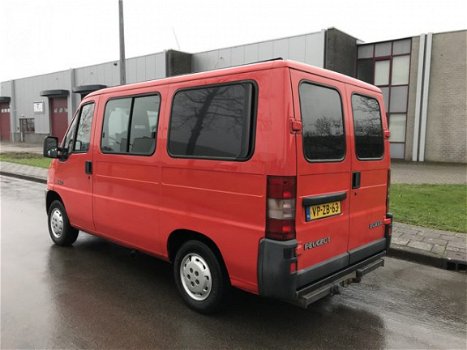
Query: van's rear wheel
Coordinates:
[60,229]
[200,278]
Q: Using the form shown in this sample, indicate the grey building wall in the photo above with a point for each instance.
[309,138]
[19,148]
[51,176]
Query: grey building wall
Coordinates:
[341,52]
[24,92]
[447,105]
[138,69]
[27,91]
[145,68]
[5,88]
[411,98]
[105,73]
[307,48]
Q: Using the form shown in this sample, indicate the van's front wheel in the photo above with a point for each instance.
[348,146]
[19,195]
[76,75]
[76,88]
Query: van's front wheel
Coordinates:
[60,230]
[200,277]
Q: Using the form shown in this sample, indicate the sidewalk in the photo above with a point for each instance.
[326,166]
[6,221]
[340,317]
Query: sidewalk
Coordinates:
[6,147]
[442,249]
[428,173]
[25,172]
[438,248]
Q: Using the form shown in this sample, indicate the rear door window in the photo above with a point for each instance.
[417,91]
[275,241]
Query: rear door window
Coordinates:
[368,129]
[323,123]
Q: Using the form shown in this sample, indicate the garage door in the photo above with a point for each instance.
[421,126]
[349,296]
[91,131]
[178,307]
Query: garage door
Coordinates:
[59,116]
[4,122]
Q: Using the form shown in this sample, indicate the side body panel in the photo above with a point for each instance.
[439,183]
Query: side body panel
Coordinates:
[127,187]
[225,200]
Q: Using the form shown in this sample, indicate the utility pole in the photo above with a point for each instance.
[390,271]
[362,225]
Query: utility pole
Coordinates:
[122,44]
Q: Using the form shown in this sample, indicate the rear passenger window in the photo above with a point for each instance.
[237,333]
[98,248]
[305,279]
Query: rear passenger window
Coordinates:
[369,143]
[130,125]
[323,125]
[212,122]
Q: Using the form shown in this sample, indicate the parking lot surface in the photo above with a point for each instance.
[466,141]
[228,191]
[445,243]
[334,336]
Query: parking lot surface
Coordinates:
[99,295]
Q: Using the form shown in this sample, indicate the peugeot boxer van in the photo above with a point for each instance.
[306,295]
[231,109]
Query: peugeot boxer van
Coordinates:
[270,177]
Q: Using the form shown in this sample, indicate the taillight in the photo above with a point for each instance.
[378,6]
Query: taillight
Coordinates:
[280,214]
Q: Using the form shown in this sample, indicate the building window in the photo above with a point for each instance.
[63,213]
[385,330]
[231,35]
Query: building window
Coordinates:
[382,72]
[397,127]
[27,125]
[387,65]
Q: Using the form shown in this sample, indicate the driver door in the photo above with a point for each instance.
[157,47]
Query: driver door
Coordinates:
[73,173]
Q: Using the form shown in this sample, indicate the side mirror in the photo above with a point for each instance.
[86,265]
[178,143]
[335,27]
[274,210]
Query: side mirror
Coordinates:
[50,149]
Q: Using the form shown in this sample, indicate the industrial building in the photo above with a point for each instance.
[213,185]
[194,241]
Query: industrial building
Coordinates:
[423,79]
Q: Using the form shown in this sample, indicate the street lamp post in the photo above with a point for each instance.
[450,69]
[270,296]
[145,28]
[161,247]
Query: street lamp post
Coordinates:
[122,43]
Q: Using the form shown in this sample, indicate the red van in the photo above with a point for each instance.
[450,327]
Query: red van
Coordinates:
[270,177]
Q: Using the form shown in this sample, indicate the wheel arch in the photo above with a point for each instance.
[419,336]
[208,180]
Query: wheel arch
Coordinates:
[50,197]
[178,237]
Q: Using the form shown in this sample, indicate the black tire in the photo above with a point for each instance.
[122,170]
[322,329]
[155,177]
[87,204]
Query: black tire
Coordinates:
[200,262]
[60,230]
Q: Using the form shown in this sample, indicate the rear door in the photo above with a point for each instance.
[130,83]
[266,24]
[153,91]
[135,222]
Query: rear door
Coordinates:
[323,175]
[370,164]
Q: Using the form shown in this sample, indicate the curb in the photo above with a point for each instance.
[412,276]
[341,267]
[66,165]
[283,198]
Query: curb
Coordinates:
[24,177]
[414,255]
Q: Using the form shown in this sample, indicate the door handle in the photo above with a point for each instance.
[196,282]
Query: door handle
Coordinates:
[88,167]
[356,179]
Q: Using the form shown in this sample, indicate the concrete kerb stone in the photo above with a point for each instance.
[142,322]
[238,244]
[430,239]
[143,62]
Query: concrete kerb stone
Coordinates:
[414,255]
[24,177]
[442,249]
[25,172]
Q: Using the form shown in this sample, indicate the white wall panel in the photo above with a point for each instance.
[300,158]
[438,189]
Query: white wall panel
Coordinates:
[308,48]
[265,50]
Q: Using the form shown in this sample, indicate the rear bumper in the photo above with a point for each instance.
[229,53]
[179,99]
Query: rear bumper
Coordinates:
[306,286]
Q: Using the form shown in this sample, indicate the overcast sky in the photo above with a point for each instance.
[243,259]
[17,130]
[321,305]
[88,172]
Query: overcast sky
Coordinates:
[42,36]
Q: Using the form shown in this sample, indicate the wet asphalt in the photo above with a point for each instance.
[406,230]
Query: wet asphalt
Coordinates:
[99,295]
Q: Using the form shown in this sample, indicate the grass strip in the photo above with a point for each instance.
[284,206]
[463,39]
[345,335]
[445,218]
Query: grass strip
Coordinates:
[442,207]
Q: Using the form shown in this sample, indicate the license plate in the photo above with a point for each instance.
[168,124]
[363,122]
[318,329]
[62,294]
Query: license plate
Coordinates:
[319,211]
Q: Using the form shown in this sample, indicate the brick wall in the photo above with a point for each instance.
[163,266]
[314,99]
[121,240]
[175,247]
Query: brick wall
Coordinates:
[446,138]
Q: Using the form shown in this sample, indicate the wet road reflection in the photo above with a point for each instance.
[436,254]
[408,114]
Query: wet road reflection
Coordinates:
[97,294]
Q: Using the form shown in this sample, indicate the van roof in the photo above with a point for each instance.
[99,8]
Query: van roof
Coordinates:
[242,69]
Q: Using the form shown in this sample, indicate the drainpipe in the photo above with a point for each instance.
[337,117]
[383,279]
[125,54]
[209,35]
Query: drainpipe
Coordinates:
[418,99]
[426,88]
[72,107]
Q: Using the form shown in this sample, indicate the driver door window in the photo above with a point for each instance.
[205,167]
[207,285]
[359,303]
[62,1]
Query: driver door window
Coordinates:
[68,140]
[78,137]
[83,135]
